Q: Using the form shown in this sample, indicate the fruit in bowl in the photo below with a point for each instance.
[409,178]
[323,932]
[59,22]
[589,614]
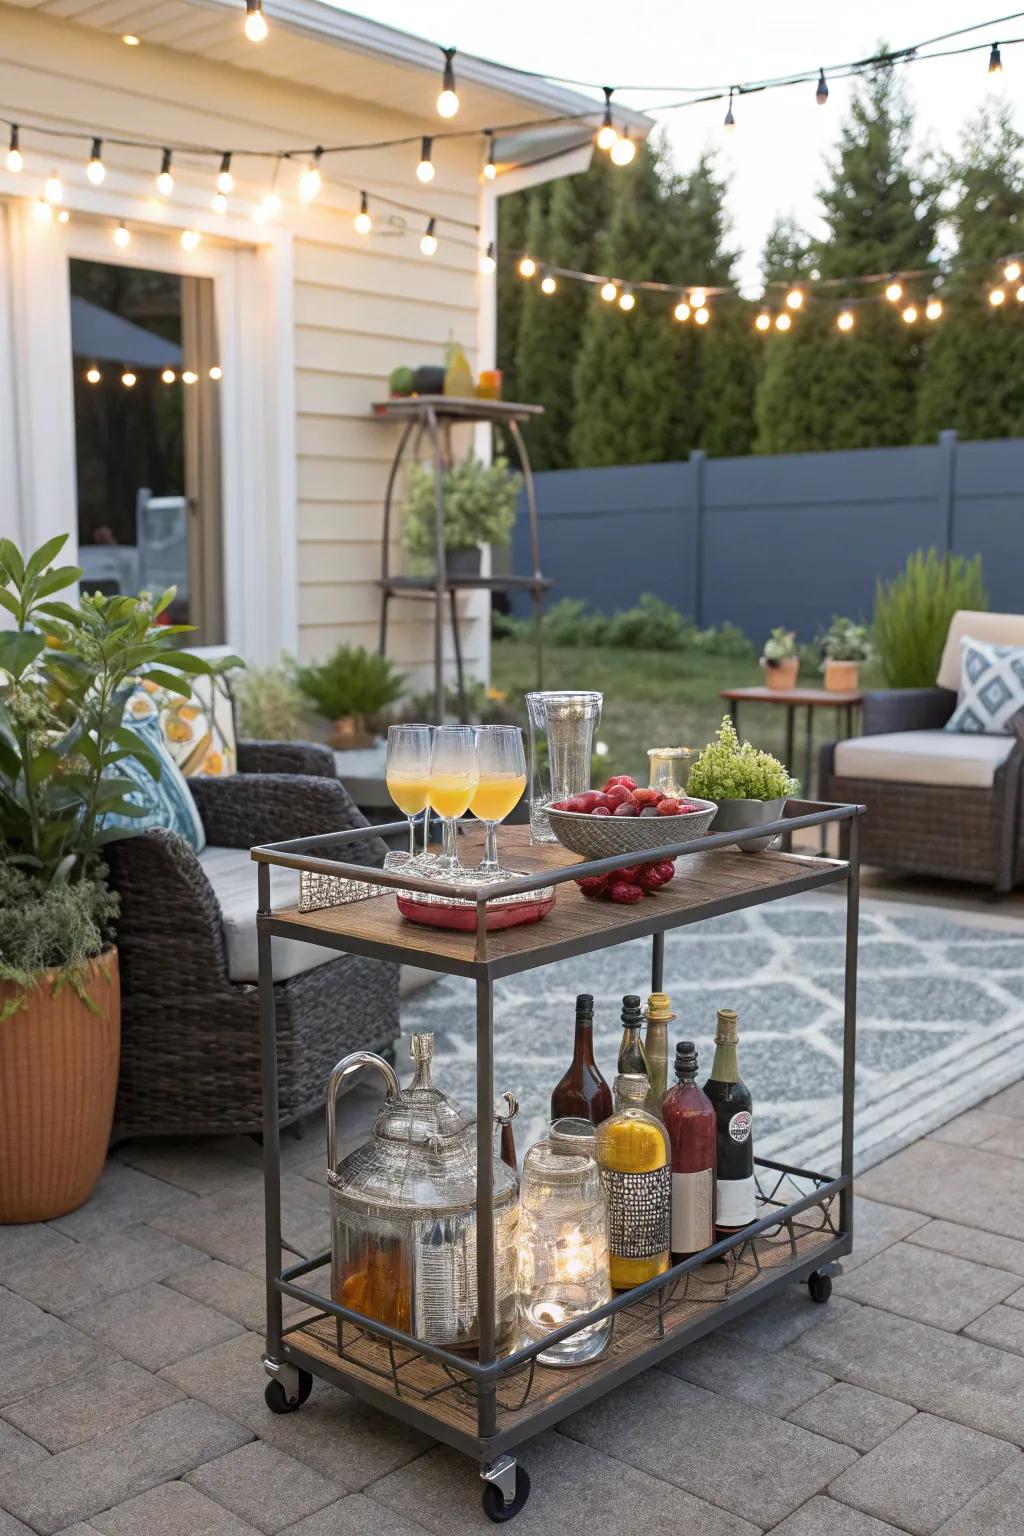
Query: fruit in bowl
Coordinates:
[623,818]
[621,797]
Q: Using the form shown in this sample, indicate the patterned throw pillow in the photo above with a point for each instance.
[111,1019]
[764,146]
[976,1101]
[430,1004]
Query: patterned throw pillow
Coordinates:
[168,801]
[991,687]
[199,733]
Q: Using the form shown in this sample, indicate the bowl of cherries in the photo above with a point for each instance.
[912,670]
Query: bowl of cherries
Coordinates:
[622,818]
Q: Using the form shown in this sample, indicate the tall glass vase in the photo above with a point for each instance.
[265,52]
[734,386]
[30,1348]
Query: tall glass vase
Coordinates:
[562,728]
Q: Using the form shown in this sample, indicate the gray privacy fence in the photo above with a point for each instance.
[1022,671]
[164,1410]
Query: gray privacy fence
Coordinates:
[787,539]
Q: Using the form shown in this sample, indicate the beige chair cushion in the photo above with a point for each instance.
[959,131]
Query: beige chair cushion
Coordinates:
[924,757]
[232,874]
[999,628]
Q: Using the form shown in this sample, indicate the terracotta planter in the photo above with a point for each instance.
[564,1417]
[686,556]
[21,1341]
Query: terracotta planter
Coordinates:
[842,676]
[349,734]
[781,674]
[58,1080]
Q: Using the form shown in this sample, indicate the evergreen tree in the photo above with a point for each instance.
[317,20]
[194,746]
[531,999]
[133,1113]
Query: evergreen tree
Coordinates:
[825,389]
[788,253]
[973,371]
[513,213]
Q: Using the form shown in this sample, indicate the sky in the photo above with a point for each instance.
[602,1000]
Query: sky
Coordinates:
[774,158]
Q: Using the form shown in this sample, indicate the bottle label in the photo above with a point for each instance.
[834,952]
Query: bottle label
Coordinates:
[736,1202]
[638,1212]
[740,1125]
[692,1211]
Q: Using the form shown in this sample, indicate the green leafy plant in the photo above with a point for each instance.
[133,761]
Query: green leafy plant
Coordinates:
[479,507]
[912,614]
[271,705]
[401,381]
[66,673]
[845,641]
[652,625]
[780,646]
[725,770]
[352,681]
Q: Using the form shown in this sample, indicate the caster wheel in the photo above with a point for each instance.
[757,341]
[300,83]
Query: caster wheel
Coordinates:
[495,1507]
[277,1402]
[820,1286]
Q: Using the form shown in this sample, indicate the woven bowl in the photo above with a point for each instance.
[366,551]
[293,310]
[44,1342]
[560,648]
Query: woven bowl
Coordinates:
[598,837]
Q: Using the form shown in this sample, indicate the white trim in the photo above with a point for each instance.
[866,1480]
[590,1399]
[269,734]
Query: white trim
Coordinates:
[572,163]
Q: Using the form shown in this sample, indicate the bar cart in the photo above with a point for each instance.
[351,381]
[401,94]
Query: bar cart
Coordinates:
[488,1404]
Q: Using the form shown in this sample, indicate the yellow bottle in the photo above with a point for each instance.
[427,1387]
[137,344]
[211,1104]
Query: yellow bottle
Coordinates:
[632,1151]
[458,376]
[659,1017]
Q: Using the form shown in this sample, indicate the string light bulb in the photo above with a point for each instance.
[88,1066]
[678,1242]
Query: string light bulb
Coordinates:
[526,267]
[894,292]
[682,311]
[129,379]
[42,212]
[845,320]
[997,297]
[783,321]
[93,375]
[225,180]
[268,209]
[490,169]
[122,235]
[256,28]
[216,373]
[698,298]
[165,180]
[425,169]
[15,161]
[627,299]
[189,377]
[219,203]
[795,298]
[1019,295]
[448,101]
[821,93]
[64,216]
[362,221]
[311,181]
[169,376]
[609,292]
[933,309]
[428,240]
[548,284]
[995,61]
[130,40]
[607,136]
[623,150]
[1012,271]
[703,315]
[488,261]
[96,171]
[54,190]
[730,121]
[763,322]
[190,239]
[909,315]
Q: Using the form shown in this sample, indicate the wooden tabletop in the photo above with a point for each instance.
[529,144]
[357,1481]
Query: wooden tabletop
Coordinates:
[814,698]
[461,408]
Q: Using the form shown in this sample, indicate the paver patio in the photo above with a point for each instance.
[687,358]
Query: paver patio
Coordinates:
[132,1396]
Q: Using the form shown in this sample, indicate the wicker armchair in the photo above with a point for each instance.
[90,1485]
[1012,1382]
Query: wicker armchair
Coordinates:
[190,1052]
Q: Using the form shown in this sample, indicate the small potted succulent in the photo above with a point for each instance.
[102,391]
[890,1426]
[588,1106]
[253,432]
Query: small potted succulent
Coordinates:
[479,508]
[780,661]
[750,787]
[349,686]
[844,646]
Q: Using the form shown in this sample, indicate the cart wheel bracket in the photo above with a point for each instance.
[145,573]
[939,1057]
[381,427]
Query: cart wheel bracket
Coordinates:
[287,1374]
[506,1489]
[502,1474]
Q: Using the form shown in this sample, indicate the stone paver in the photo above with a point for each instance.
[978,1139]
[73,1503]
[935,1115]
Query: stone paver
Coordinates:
[356,1516]
[773,1382]
[825,1517]
[104,1472]
[964,1184]
[877,1226]
[927,1285]
[974,1127]
[235,1292]
[229,1226]
[155,1326]
[781,1318]
[1007,1140]
[968,1243]
[11,1527]
[103,1267]
[27,1244]
[17,1449]
[1009,1102]
[924,1473]
[123,1198]
[996,1511]
[173,1509]
[687,1436]
[852,1415]
[264,1487]
[106,1398]
[575,1490]
[51,1354]
[1002,1326]
[200,1168]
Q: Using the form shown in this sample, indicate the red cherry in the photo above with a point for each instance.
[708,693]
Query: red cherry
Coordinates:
[575,805]
[588,800]
[600,810]
[625,808]
[625,780]
[593,885]
[626,895]
[627,876]
[669,808]
[617,794]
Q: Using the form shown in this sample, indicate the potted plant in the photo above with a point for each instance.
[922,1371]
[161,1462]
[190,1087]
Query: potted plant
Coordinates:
[779,659]
[479,508]
[844,646]
[66,673]
[350,685]
[750,787]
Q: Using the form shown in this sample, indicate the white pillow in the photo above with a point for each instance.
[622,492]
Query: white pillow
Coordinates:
[991,687]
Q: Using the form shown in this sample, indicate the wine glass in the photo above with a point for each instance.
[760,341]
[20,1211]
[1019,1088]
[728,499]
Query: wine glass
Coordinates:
[407,772]
[500,786]
[454,771]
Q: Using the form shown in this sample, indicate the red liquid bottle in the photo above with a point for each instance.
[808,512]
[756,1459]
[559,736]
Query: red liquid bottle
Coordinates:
[583,1092]
[690,1120]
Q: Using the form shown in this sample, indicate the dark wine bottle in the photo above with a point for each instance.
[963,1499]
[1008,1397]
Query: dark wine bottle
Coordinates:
[583,1092]
[734,1182]
[691,1123]
[632,1056]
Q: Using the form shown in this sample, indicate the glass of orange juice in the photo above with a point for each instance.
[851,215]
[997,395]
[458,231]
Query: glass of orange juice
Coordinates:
[500,786]
[407,772]
[454,772]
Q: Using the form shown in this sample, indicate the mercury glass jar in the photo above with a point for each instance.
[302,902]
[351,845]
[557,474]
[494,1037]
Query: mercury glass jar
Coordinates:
[563,1251]
[633,1155]
[403,1212]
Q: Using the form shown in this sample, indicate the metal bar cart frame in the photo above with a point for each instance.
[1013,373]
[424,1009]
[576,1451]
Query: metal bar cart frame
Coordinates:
[449,1396]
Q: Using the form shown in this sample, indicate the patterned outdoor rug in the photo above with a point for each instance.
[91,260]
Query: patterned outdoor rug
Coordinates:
[940,1021]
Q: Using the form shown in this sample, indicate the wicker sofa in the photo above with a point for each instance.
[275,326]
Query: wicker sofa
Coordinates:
[190,1051]
[939,802]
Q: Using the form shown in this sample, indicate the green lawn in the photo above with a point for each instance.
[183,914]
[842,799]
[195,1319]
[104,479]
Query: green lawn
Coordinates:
[656,699]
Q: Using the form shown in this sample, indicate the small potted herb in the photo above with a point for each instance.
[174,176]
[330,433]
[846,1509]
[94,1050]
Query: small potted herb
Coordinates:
[844,646]
[479,508]
[779,659]
[350,685]
[400,383]
[750,787]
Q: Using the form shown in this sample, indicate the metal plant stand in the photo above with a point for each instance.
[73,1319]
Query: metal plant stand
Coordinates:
[434,416]
[487,1405]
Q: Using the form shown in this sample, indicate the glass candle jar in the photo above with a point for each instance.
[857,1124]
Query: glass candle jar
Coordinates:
[669,768]
[563,1252]
[571,1133]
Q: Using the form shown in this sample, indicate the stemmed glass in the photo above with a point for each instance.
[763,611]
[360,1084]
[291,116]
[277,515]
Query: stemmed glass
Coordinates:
[500,786]
[407,773]
[454,771]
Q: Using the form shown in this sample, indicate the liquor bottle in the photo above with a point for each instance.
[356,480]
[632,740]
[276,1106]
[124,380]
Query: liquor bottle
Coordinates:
[632,1056]
[734,1181]
[582,1092]
[659,1017]
[690,1120]
[633,1156]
